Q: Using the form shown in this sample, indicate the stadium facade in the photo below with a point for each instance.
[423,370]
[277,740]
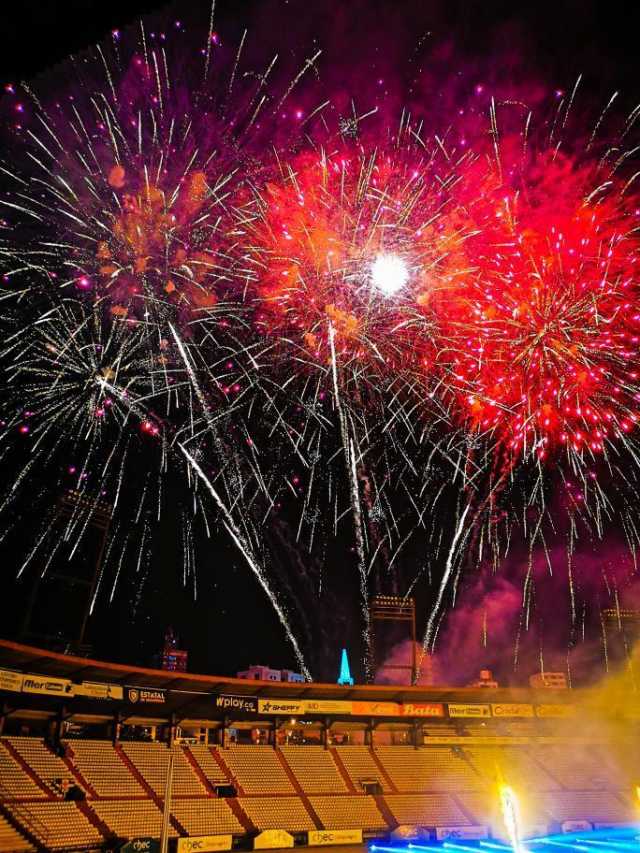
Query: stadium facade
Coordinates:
[86,747]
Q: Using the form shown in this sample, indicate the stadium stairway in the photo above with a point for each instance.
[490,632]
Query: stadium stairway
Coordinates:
[298,789]
[385,811]
[383,773]
[13,752]
[76,773]
[342,770]
[206,784]
[222,764]
[93,818]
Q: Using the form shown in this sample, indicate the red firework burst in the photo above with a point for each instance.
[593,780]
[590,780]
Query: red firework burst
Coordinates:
[351,246]
[541,336]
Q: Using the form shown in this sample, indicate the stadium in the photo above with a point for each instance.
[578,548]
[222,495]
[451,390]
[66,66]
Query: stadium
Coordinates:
[99,756]
[319,347]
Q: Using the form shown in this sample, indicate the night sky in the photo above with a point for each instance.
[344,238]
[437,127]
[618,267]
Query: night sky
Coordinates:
[229,626]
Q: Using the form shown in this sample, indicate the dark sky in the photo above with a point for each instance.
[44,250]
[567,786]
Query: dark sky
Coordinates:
[553,41]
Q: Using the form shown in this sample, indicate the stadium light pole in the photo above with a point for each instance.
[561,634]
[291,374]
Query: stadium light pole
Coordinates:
[166,811]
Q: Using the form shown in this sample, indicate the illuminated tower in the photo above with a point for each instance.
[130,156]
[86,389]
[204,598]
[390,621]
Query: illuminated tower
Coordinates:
[345,671]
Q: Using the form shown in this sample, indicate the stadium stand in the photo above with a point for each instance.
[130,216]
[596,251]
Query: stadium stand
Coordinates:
[314,768]
[428,769]
[103,769]
[10,838]
[257,770]
[206,817]
[49,768]
[582,768]
[513,763]
[14,781]
[574,805]
[150,759]
[210,768]
[426,809]
[59,825]
[277,812]
[361,766]
[128,819]
[348,811]
[556,769]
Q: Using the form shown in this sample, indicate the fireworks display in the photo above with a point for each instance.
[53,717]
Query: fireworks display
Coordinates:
[374,340]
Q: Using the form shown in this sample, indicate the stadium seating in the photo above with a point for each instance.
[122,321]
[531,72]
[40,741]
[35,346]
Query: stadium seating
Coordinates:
[430,768]
[207,763]
[315,770]
[10,838]
[348,812]
[425,809]
[277,813]
[435,785]
[14,782]
[513,764]
[128,819]
[50,769]
[581,768]
[57,825]
[103,769]
[258,770]
[359,764]
[206,817]
[151,759]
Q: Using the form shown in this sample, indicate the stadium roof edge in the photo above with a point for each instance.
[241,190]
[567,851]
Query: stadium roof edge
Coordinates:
[42,662]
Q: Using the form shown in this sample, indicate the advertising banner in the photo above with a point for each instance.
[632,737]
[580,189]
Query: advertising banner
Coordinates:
[468,833]
[423,709]
[141,845]
[327,706]
[47,685]
[280,706]
[512,709]
[96,690]
[205,843]
[272,839]
[558,711]
[405,832]
[376,709]
[576,826]
[334,836]
[242,704]
[10,680]
[148,695]
[469,710]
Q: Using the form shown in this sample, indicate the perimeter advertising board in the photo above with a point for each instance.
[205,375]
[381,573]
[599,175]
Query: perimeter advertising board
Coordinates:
[98,690]
[280,706]
[557,711]
[423,709]
[146,695]
[10,680]
[141,845]
[376,709]
[47,685]
[243,704]
[334,836]
[272,839]
[512,709]
[327,706]
[469,710]
[205,843]
[468,833]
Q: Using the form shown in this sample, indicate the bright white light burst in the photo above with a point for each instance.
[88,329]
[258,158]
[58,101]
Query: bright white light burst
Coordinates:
[389,274]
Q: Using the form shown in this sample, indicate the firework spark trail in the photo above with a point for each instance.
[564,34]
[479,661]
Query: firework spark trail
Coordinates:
[250,558]
[460,534]
[350,462]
